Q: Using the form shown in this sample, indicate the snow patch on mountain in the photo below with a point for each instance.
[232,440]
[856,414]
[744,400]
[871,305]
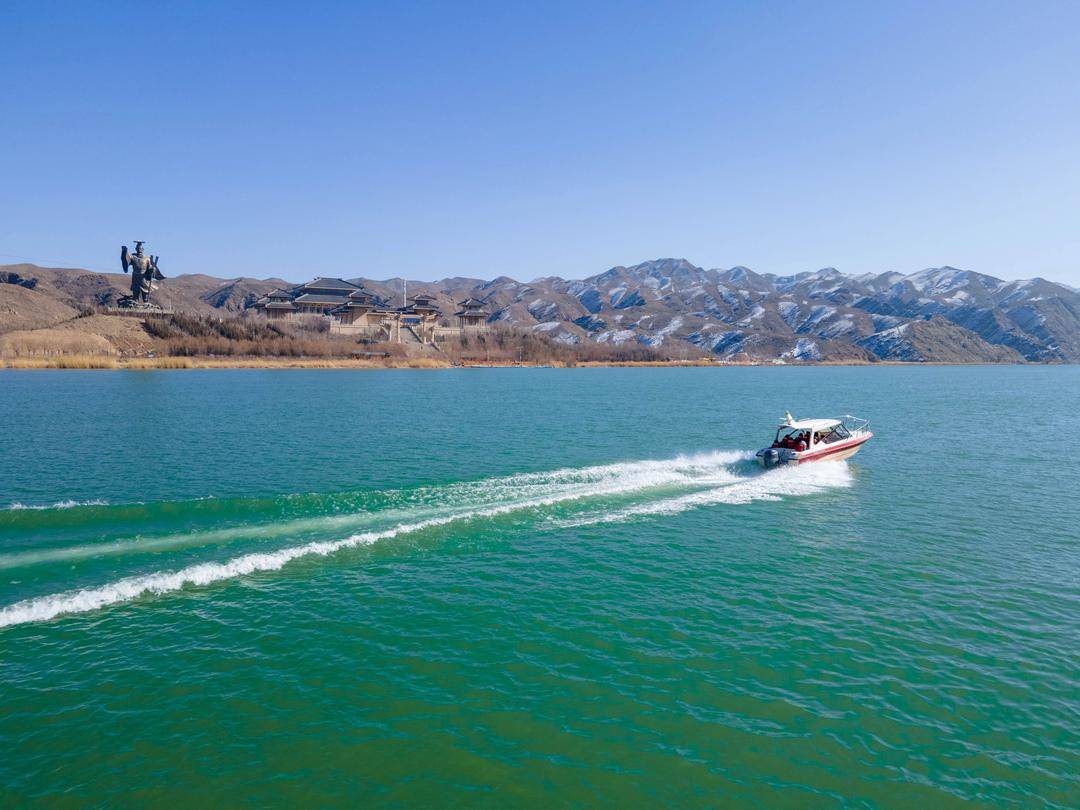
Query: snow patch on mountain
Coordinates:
[657,337]
[727,343]
[755,314]
[804,349]
[617,337]
[816,315]
[837,328]
[542,310]
[789,311]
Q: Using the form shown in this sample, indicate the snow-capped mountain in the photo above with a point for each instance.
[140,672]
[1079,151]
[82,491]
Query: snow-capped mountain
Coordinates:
[680,308]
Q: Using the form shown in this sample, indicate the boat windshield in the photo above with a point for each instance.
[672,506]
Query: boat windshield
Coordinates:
[834,434]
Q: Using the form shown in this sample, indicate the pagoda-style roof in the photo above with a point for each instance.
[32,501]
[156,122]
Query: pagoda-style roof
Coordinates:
[318,298]
[472,308]
[420,302]
[338,285]
[278,294]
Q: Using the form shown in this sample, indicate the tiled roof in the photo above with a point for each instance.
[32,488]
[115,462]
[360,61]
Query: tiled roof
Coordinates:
[323,283]
[318,298]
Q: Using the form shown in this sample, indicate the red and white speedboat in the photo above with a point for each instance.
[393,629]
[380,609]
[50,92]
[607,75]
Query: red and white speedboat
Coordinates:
[801,440]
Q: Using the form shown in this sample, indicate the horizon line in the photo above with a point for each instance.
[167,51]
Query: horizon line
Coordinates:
[766,274]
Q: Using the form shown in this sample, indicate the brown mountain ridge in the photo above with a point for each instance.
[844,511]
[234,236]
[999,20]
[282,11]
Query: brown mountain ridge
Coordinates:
[676,308]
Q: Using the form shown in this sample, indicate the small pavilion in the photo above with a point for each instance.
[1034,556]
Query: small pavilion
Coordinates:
[472,315]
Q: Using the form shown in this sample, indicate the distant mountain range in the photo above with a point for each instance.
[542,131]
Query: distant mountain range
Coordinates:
[939,314]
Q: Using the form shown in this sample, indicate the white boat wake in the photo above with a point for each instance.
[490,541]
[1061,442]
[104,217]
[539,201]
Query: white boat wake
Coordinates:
[711,476]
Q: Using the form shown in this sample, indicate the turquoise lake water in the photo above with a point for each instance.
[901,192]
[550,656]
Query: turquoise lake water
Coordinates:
[537,587]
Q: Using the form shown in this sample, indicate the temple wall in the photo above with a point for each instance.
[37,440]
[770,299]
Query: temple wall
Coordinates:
[356,328]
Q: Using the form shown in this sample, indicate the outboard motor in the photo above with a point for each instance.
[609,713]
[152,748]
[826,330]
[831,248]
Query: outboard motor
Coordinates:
[770,457]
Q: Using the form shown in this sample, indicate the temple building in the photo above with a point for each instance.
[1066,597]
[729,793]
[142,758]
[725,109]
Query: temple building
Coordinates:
[316,297]
[364,311]
[353,310]
[421,317]
[473,314]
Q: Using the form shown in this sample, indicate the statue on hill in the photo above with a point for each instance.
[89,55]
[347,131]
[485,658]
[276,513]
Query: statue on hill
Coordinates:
[144,272]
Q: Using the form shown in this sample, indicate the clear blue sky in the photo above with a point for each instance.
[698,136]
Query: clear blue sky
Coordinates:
[480,139]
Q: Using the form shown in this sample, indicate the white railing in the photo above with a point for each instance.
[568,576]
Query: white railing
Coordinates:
[854,424]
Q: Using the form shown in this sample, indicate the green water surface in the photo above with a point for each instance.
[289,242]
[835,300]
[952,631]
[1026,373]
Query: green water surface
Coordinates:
[536,587]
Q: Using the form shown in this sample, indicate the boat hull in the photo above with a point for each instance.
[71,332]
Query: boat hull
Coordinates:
[838,451]
[834,453]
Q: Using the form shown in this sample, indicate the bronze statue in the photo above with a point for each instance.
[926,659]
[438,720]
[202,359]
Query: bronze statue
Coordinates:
[144,272]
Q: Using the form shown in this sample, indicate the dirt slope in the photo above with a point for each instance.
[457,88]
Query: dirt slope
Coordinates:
[21,308]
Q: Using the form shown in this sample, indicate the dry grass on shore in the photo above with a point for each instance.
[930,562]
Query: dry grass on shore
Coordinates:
[75,361]
[53,344]
[159,362]
[282,362]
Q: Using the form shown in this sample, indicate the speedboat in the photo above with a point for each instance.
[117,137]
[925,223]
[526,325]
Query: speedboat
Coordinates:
[801,440]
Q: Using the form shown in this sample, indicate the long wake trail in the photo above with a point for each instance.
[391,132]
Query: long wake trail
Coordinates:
[711,478]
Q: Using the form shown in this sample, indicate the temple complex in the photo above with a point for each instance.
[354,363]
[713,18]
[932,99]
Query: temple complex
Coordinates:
[353,310]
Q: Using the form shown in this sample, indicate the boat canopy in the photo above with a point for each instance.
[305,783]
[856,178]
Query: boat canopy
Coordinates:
[810,424]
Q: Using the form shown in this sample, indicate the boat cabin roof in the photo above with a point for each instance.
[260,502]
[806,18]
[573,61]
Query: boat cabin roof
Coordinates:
[810,424]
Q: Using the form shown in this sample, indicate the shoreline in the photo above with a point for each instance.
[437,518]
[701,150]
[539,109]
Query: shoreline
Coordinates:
[106,363]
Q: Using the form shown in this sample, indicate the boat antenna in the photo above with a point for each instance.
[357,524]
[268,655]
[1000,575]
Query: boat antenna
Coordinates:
[788,418]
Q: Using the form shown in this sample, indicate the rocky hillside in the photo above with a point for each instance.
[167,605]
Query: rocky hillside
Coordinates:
[940,314]
[919,341]
[194,293]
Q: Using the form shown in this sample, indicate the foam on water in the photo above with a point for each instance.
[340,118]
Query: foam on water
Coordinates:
[69,504]
[426,503]
[471,501]
[769,486]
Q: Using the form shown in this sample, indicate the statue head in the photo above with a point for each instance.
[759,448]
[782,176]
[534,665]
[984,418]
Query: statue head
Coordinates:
[138,247]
